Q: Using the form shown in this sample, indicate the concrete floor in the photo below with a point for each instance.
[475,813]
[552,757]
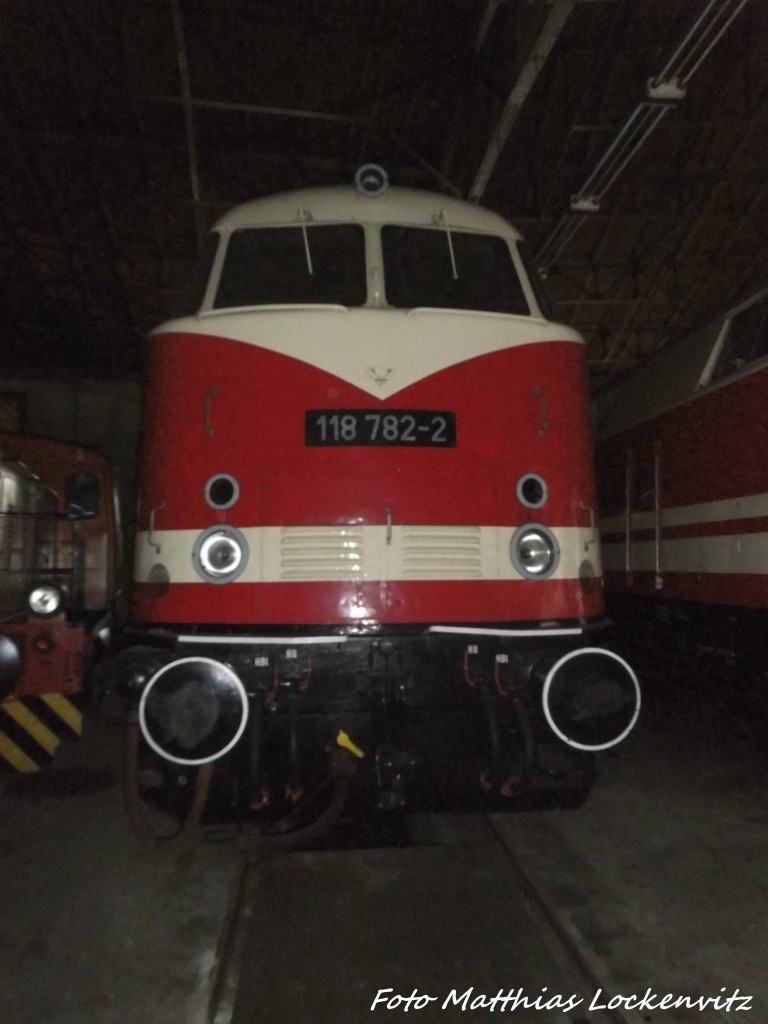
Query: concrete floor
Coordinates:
[660,879]
[336,935]
[98,926]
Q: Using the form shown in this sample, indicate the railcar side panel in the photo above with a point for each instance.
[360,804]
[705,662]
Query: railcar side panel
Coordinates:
[713,495]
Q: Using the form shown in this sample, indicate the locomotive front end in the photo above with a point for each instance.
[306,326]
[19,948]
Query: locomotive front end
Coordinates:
[57,571]
[367,516]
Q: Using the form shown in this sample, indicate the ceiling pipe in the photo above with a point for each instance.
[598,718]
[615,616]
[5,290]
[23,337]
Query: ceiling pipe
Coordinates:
[664,91]
[698,38]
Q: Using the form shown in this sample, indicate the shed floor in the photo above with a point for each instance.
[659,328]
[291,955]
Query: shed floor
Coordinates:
[99,926]
[660,879]
[347,935]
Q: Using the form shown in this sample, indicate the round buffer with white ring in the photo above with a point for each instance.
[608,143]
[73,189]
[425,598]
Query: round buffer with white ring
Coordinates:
[193,710]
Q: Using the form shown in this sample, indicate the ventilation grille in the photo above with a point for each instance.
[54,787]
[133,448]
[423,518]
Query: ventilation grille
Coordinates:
[321,553]
[446,552]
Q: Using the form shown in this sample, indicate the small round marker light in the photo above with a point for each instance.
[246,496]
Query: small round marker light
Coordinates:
[371,181]
[222,491]
[531,490]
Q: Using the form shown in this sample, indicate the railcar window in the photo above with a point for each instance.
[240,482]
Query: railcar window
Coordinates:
[283,266]
[81,494]
[745,342]
[450,270]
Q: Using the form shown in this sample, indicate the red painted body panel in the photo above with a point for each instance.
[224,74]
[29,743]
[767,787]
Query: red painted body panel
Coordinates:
[711,448]
[58,670]
[256,418]
[394,602]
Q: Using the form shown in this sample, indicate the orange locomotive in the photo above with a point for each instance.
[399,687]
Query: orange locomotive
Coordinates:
[58,563]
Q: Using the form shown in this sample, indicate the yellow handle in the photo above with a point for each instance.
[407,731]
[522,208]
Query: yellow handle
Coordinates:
[344,741]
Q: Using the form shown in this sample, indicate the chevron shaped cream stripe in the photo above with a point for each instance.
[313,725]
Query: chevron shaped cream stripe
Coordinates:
[379,351]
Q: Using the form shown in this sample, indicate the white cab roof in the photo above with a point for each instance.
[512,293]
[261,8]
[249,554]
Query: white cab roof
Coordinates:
[395,206]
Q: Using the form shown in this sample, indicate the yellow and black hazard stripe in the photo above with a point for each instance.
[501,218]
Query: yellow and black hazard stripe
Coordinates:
[32,728]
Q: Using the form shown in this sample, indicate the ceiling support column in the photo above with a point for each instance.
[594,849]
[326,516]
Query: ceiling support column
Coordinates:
[186,94]
[549,35]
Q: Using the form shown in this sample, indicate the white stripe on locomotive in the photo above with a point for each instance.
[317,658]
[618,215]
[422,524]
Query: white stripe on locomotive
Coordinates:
[344,553]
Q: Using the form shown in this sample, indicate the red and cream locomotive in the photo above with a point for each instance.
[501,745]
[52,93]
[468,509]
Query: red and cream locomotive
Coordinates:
[367,515]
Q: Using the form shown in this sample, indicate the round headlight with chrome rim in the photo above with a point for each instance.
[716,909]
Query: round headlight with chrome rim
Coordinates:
[45,600]
[220,554]
[534,551]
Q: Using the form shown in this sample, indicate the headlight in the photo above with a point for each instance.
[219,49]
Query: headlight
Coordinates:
[534,551]
[220,554]
[45,600]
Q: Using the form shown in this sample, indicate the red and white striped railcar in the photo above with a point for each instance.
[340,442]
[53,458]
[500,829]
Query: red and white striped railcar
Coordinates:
[684,485]
[367,509]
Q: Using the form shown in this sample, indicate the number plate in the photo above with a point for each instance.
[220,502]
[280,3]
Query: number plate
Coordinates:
[401,427]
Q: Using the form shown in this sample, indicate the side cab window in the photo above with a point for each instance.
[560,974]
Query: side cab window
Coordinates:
[744,340]
[82,495]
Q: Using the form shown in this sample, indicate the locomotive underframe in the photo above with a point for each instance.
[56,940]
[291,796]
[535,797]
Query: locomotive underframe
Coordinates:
[443,721]
[711,659]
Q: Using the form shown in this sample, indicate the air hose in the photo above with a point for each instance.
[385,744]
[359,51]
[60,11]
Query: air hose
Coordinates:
[132,799]
[342,768]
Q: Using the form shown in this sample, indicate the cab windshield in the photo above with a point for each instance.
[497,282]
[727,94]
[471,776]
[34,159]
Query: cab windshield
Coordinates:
[300,265]
[447,269]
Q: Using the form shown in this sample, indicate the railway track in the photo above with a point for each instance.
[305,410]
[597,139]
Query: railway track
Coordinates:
[572,956]
[594,972]
[579,987]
